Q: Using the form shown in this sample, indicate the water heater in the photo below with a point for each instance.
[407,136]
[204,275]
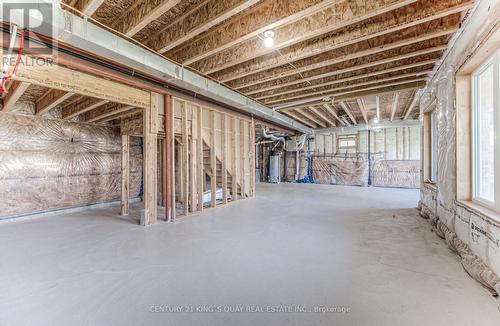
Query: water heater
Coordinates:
[274,169]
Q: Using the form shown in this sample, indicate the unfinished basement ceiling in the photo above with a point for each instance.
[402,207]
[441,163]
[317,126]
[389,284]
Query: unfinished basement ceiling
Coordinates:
[333,62]
[65,105]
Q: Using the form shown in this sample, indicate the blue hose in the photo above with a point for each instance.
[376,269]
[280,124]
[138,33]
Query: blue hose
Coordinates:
[309,176]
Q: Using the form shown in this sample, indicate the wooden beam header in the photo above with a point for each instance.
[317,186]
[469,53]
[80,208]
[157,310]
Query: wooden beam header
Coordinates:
[72,81]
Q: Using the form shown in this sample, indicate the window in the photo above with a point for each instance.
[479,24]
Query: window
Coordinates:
[434,146]
[347,142]
[486,133]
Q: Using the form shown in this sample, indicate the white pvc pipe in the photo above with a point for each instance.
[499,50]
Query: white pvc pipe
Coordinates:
[298,147]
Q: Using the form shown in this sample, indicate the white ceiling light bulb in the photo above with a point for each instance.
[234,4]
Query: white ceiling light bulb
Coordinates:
[269,42]
[268,39]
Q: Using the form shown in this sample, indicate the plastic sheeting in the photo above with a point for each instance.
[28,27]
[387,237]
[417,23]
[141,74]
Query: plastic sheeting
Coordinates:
[473,236]
[402,174]
[471,262]
[340,171]
[53,164]
[446,115]
[337,170]
[352,170]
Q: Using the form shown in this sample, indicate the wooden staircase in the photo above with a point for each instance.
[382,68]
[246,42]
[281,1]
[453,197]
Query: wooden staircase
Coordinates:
[213,157]
[207,168]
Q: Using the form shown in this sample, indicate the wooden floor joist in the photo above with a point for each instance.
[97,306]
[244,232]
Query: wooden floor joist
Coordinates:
[209,14]
[315,55]
[416,99]
[300,119]
[314,97]
[356,94]
[395,61]
[14,94]
[51,99]
[118,116]
[89,7]
[333,112]
[394,105]
[376,73]
[108,110]
[321,48]
[141,14]
[349,89]
[339,14]
[329,90]
[362,108]
[87,104]
[311,116]
[244,27]
[348,111]
[319,113]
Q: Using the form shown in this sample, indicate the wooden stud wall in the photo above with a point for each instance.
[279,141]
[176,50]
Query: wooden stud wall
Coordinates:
[228,135]
[125,174]
[150,131]
[229,146]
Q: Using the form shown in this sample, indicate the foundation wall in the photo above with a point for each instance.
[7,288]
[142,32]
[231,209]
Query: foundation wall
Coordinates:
[479,231]
[49,164]
[394,159]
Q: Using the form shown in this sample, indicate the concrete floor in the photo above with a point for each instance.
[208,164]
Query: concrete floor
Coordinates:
[358,249]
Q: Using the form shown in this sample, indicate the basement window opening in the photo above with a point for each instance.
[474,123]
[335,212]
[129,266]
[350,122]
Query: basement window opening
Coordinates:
[486,133]
[434,147]
[347,142]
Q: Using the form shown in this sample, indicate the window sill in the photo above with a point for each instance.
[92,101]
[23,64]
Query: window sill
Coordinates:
[481,210]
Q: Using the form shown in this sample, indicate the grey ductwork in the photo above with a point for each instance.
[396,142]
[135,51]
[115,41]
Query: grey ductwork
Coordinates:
[82,34]
[266,134]
[369,126]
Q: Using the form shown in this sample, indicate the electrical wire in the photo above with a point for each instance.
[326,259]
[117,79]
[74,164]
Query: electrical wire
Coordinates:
[3,87]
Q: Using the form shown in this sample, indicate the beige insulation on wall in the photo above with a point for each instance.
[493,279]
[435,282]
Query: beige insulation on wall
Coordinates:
[394,158]
[52,164]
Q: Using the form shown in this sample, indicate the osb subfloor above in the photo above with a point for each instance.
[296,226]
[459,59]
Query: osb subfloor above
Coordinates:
[333,62]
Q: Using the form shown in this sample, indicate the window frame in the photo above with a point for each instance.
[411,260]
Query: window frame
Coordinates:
[494,61]
[433,176]
[347,137]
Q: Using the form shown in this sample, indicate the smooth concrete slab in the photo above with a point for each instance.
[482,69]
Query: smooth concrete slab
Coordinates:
[362,253]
